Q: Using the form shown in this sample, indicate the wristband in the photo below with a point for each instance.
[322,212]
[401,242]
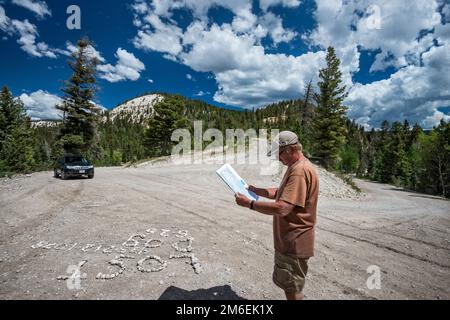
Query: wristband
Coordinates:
[251,204]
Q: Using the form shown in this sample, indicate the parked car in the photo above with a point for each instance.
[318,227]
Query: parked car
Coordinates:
[73,165]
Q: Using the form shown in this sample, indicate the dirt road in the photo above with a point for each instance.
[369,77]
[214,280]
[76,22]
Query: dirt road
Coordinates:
[172,232]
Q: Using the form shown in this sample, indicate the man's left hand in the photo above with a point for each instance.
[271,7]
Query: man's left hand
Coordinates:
[242,200]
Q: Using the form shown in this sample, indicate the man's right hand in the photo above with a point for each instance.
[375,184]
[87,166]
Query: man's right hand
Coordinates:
[252,188]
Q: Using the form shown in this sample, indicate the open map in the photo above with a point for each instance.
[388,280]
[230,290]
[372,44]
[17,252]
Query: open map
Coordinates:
[235,182]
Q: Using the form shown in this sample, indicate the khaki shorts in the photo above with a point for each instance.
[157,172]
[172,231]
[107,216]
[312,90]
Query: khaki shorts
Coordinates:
[289,273]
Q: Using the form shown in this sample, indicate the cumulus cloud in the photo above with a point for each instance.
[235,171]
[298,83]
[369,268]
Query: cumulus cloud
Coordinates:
[403,35]
[165,37]
[40,8]
[409,37]
[266,4]
[274,26]
[389,26]
[128,67]
[27,33]
[245,74]
[40,105]
[414,93]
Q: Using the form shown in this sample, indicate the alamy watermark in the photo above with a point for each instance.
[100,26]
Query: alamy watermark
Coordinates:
[374,280]
[234,146]
[73,281]
[73,22]
[373,19]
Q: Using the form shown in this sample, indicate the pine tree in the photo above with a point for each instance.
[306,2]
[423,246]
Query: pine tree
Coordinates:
[329,122]
[168,116]
[80,115]
[16,141]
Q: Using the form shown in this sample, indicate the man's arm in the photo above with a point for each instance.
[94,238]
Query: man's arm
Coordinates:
[279,207]
[269,193]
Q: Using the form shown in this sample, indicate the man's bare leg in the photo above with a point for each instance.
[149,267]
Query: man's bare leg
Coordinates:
[294,296]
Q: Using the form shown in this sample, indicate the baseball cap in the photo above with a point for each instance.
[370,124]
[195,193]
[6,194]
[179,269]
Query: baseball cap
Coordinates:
[283,139]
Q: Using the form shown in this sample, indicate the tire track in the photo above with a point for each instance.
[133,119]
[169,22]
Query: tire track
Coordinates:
[45,216]
[381,246]
[343,287]
[178,183]
[376,230]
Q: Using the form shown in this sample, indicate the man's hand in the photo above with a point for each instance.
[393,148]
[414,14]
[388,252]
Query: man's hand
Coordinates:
[252,188]
[242,200]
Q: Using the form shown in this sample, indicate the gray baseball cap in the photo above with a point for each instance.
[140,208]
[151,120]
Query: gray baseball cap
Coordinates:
[283,139]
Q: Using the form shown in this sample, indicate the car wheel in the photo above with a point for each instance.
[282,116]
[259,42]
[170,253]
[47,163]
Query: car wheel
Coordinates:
[90,176]
[63,175]
[55,173]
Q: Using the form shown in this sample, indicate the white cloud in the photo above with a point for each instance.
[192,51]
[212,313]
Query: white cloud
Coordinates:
[199,8]
[189,77]
[4,20]
[395,33]
[27,33]
[158,32]
[446,12]
[150,80]
[128,67]
[274,25]
[414,93]
[266,4]
[163,38]
[217,49]
[248,76]
[245,74]
[39,7]
[27,40]
[434,119]
[41,105]
[268,78]
[90,51]
[201,93]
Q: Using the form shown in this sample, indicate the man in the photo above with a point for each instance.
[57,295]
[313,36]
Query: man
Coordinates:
[294,214]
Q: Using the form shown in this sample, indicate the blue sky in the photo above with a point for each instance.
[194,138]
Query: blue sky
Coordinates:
[237,53]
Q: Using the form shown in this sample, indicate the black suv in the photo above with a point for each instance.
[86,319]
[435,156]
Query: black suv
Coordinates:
[72,165]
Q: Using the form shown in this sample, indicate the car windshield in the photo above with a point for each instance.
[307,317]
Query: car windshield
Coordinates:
[76,160]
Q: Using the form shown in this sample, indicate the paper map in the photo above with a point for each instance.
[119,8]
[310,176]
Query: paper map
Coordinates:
[235,182]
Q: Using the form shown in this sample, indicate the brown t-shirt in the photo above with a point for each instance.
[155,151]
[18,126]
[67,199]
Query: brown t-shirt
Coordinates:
[294,232]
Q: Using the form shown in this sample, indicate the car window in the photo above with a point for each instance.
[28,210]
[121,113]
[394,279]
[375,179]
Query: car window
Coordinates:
[76,160]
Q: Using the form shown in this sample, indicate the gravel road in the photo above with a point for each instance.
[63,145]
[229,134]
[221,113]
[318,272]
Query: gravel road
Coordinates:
[164,231]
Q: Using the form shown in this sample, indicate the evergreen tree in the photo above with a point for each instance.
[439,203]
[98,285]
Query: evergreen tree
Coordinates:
[329,122]
[80,115]
[16,141]
[168,116]
[434,160]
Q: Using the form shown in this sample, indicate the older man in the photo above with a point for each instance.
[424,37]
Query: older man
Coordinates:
[294,214]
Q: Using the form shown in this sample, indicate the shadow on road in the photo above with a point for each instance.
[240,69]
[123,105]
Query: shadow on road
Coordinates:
[428,197]
[416,194]
[214,293]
